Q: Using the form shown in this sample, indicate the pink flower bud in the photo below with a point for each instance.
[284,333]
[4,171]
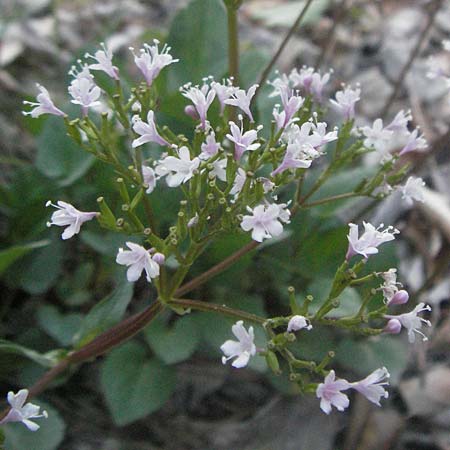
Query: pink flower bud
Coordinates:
[159,258]
[192,112]
[400,298]
[393,327]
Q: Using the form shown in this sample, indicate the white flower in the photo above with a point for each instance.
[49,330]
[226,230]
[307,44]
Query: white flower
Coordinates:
[297,323]
[44,105]
[83,90]
[345,102]
[243,141]
[150,61]
[242,100]
[149,178]
[390,285]
[177,170]
[413,190]
[415,142]
[377,136]
[367,244]
[265,221]
[219,169]
[411,321]
[147,131]
[104,62]
[210,147]
[68,215]
[372,387]
[330,393]
[138,259]
[239,181]
[400,122]
[241,349]
[21,412]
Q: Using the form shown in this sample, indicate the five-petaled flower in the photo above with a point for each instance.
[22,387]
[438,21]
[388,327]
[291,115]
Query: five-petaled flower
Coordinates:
[369,241]
[266,221]
[139,259]
[83,90]
[330,393]
[177,170]
[147,131]
[242,349]
[201,99]
[68,216]
[23,412]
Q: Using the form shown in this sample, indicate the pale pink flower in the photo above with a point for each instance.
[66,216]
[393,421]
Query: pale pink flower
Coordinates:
[150,61]
[298,322]
[413,190]
[139,259]
[243,141]
[242,100]
[330,393]
[372,387]
[149,178]
[367,244]
[345,102]
[224,91]
[201,99]
[266,221]
[177,170]
[377,136]
[44,105]
[23,412]
[147,131]
[242,349]
[415,142]
[104,62]
[412,322]
[209,148]
[83,90]
[68,216]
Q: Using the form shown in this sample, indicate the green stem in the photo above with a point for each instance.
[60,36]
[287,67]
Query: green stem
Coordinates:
[330,199]
[212,307]
[233,43]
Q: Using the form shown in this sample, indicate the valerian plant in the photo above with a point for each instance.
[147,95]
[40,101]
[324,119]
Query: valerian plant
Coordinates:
[234,176]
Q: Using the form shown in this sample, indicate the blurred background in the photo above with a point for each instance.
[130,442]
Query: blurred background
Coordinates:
[166,389]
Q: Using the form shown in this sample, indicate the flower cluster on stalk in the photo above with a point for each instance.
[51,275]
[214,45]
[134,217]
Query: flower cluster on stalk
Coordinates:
[234,176]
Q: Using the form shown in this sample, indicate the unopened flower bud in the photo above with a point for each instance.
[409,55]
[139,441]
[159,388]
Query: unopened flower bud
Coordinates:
[159,258]
[400,298]
[393,327]
[192,112]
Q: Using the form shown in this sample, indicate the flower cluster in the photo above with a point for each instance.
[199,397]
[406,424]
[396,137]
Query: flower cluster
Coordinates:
[234,176]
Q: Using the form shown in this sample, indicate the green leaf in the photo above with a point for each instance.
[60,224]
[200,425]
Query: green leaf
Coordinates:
[133,384]
[39,273]
[58,157]
[11,254]
[104,314]
[16,349]
[48,437]
[60,327]
[176,344]
[198,37]
[364,356]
